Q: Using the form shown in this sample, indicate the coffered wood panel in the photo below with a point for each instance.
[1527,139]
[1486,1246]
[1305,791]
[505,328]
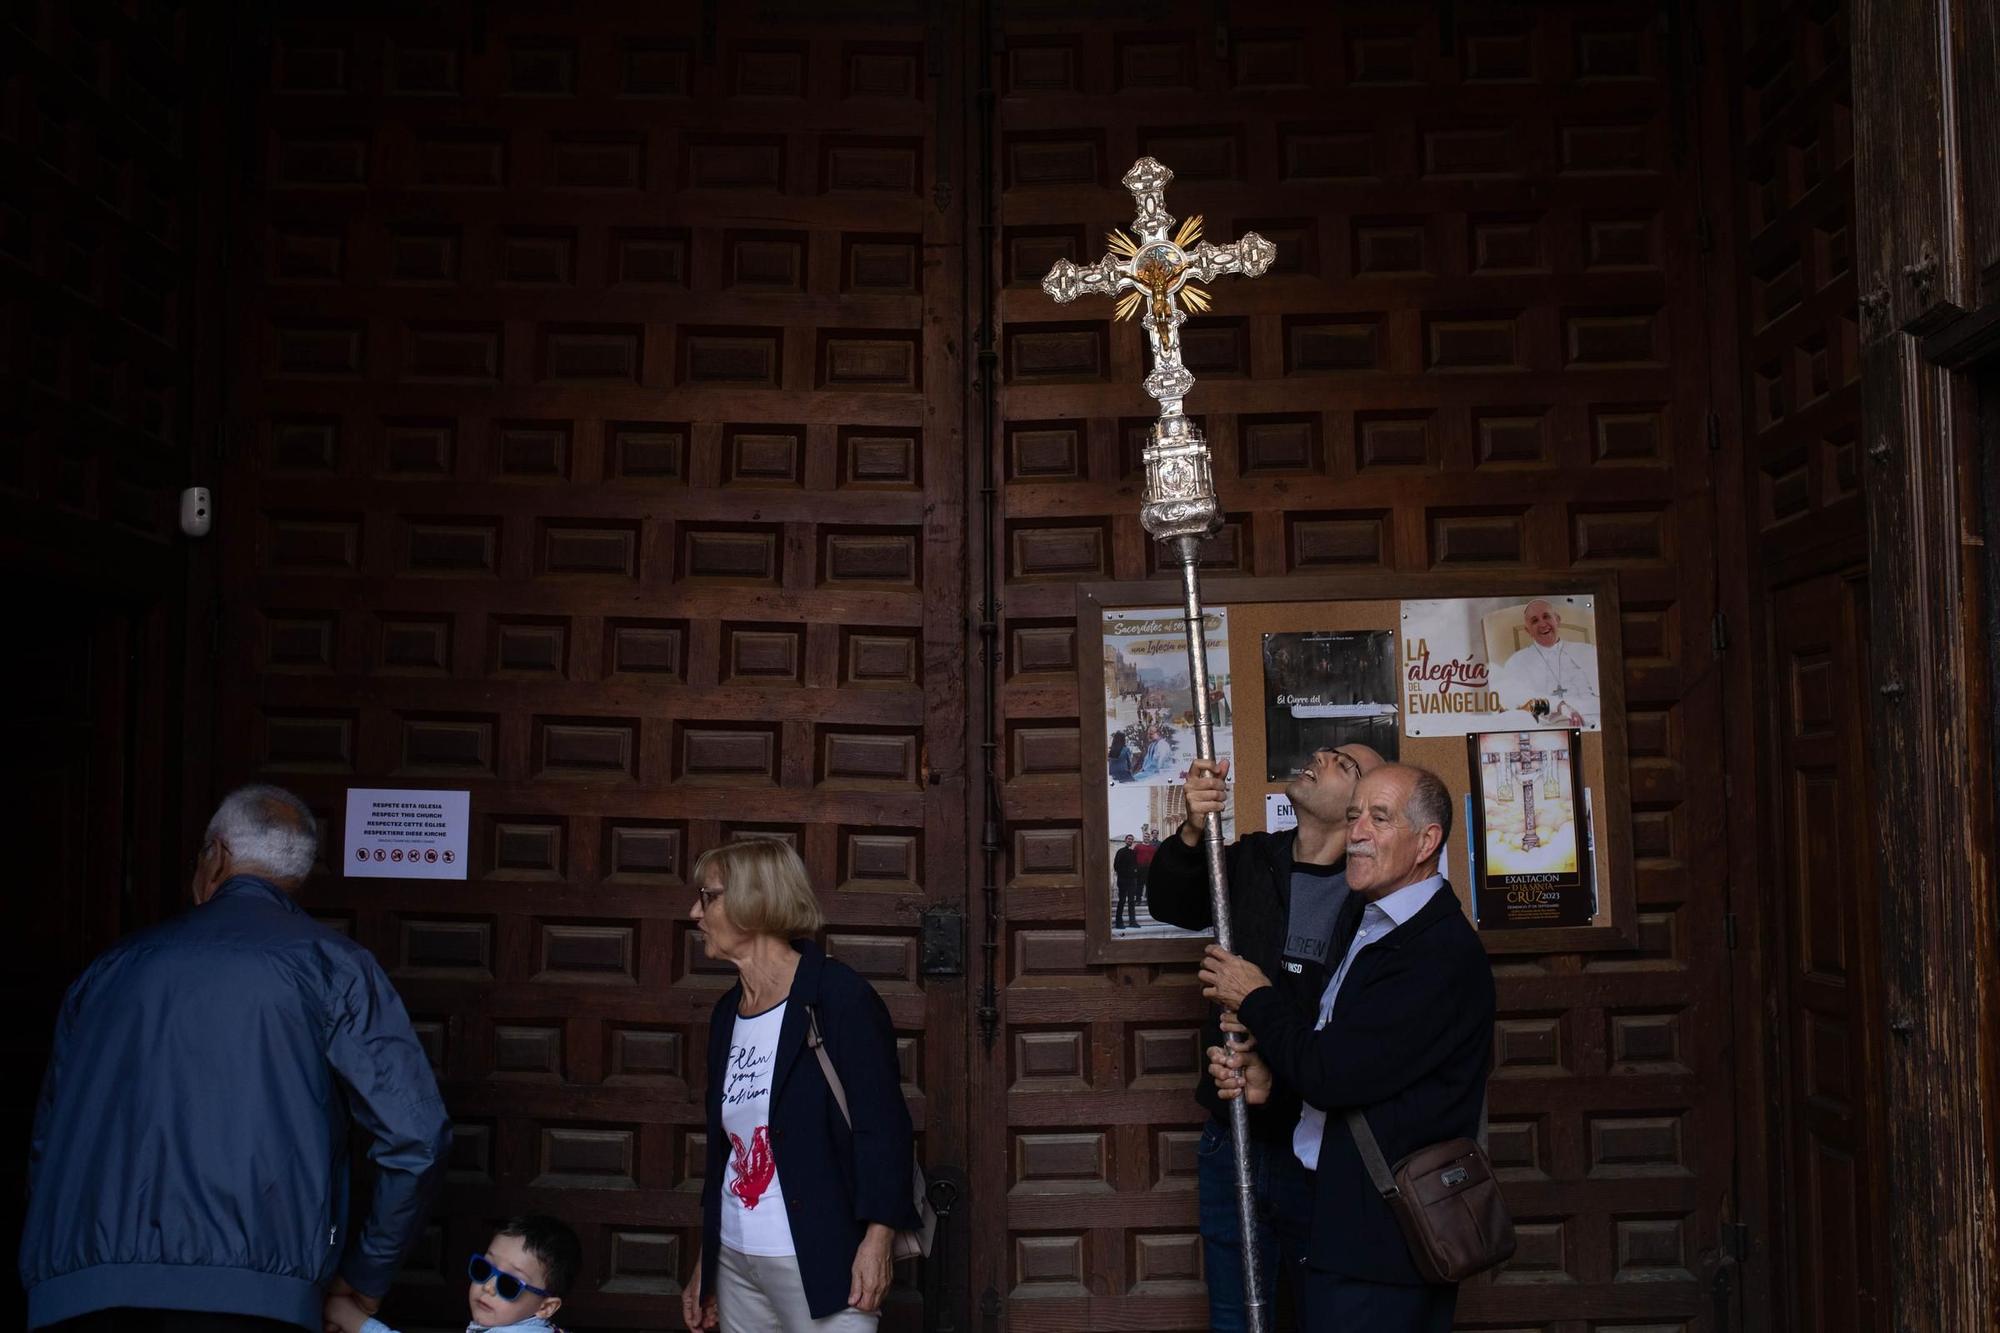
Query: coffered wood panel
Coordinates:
[1480,348]
[600,436]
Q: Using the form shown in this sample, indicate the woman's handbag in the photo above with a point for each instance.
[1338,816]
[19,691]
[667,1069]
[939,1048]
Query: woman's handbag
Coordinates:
[1447,1202]
[908,1244]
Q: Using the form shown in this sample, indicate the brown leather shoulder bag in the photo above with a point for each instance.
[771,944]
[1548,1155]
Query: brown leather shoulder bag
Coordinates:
[1447,1202]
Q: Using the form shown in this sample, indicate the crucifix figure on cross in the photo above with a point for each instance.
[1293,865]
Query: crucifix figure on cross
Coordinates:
[1153,271]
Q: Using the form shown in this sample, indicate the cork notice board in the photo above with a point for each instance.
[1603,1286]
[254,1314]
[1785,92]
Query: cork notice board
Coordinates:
[1254,608]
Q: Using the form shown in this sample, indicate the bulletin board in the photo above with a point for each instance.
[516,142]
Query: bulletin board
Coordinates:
[1250,610]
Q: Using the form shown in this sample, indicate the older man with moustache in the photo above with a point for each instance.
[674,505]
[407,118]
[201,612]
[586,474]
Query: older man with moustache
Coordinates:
[1284,892]
[1404,1035]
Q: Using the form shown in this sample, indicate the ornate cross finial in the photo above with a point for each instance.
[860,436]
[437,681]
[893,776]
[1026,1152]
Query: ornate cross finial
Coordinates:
[1153,273]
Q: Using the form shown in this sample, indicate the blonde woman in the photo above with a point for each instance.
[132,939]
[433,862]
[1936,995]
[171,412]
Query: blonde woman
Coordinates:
[798,1209]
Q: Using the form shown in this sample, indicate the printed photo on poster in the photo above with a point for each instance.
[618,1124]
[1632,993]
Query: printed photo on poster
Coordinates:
[1139,818]
[1491,663]
[1530,844]
[1327,689]
[1148,705]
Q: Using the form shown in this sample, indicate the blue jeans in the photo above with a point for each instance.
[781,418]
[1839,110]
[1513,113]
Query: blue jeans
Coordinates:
[1284,1195]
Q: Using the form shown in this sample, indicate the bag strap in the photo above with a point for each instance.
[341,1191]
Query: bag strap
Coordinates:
[1371,1156]
[826,1064]
[1371,1151]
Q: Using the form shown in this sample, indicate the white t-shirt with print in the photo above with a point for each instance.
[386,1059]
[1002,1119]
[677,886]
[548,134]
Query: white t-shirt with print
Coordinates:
[754,1220]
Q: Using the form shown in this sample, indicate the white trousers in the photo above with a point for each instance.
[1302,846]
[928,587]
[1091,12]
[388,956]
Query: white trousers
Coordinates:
[757,1293]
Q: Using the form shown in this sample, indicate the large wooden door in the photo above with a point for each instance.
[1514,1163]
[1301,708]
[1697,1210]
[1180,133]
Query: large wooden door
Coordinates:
[599,401]
[1482,347]
[1818,1002]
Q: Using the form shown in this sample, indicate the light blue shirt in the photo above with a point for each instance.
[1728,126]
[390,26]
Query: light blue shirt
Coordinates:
[1377,919]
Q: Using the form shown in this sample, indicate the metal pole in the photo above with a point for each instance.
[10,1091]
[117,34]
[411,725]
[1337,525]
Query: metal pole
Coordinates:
[1218,901]
[1151,270]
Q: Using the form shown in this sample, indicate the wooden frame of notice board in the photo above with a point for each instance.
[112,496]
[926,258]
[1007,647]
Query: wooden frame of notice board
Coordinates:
[1253,607]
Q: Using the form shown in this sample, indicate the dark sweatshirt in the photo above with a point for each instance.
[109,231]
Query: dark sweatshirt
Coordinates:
[1259,870]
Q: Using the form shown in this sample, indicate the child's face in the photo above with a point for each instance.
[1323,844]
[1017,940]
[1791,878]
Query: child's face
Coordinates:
[509,1254]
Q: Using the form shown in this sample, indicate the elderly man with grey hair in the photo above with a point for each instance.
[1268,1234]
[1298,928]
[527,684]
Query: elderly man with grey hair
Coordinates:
[188,1168]
[1403,1042]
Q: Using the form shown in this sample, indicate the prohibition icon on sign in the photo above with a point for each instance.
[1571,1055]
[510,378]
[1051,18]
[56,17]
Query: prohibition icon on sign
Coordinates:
[430,855]
[361,853]
[396,855]
[381,855]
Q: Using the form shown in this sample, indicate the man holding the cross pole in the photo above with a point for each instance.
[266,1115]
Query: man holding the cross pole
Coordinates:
[1285,890]
[1403,1039]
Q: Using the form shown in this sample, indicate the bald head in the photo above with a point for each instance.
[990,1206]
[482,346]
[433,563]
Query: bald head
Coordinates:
[1323,789]
[1365,758]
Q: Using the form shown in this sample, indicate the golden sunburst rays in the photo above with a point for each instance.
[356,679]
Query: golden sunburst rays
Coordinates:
[1126,247]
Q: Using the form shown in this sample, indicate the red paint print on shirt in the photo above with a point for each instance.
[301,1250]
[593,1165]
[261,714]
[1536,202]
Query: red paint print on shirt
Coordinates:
[751,1171]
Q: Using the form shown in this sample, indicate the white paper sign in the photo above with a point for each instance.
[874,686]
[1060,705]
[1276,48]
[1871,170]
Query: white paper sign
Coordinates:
[407,834]
[1278,813]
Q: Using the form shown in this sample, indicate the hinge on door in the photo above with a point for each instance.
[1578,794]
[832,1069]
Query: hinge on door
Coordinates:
[943,948]
[1736,1237]
[1718,633]
[1714,433]
[1704,234]
[1729,929]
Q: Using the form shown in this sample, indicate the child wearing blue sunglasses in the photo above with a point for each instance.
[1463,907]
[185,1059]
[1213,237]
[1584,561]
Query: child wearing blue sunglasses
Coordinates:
[518,1283]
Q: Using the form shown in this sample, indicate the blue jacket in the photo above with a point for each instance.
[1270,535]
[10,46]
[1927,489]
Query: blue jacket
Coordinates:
[836,1180]
[190,1149]
[1410,1043]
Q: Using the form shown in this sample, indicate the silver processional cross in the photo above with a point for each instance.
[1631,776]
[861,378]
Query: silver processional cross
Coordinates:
[1152,271]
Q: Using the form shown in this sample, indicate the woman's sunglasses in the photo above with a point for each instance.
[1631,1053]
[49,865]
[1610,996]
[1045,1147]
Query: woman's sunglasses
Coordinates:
[505,1285]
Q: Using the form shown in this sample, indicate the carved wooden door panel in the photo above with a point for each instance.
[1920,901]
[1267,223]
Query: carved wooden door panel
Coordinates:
[600,454]
[1832,1210]
[1480,348]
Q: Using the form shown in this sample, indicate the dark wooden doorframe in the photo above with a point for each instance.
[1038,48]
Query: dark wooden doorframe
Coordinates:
[1927,246]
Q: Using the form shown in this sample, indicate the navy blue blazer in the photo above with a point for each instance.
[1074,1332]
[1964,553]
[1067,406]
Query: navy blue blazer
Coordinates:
[1410,1043]
[836,1180]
